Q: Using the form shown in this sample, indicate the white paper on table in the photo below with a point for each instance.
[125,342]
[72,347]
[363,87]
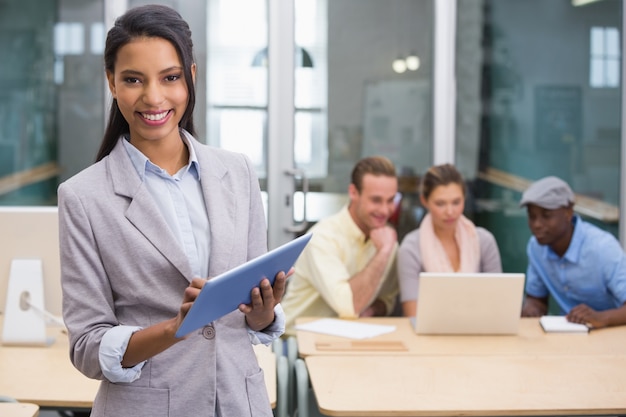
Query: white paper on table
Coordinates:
[346,328]
[560,324]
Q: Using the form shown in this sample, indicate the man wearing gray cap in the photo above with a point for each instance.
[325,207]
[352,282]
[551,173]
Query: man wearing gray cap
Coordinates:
[581,266]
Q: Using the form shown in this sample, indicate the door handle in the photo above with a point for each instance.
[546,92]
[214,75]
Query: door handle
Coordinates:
[302,226]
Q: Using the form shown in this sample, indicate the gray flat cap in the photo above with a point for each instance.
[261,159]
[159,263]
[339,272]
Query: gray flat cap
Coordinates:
[549,192]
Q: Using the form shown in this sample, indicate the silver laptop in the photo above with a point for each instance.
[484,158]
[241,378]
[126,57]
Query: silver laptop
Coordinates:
[461,303]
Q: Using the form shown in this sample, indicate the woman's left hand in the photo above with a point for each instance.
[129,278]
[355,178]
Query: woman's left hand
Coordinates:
[260,312]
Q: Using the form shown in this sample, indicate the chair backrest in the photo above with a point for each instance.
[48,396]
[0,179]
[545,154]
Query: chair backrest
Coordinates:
[277,347]
[282,386]
[302,388]
[7,399]
[292,355]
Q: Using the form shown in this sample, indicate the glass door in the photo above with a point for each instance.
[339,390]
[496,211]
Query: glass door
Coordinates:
[310,87]
[368,91]
[250,96]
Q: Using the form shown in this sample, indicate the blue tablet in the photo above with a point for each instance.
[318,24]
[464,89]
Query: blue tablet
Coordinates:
[223,294]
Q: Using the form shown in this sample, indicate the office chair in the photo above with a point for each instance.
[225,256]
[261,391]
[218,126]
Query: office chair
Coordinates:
[277,347]
[306,404]
[282,386]
[292,355]
[7,399]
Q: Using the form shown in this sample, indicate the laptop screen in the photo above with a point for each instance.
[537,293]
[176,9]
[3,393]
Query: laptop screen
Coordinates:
[462,303]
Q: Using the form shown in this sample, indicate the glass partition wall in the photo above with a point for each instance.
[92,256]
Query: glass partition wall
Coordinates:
[51,95]
[538,102]
[361,75]
[310,86]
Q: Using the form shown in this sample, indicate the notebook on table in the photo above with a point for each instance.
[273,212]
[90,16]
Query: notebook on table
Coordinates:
[559,324]
[462,303]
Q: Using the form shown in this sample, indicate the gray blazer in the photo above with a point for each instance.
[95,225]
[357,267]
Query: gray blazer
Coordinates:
[120,264]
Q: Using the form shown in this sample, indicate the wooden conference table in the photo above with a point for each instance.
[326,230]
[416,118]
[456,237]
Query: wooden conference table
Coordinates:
[46,377]
[19,410]
[468,385]
[532,373]
[530,340]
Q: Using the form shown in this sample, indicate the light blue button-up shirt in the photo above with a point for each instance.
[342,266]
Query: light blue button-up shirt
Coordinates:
[181,202]
[592,271]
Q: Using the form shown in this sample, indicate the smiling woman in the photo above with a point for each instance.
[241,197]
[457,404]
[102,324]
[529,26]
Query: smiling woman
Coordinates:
[148,79]
[143,228]
[149,87]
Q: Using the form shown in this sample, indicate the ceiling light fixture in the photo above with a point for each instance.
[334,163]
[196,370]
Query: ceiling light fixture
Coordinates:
[399,65]
[412,62]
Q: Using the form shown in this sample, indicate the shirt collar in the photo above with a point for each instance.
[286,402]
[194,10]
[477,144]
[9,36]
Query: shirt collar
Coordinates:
[352,229]
[143,164]
[193,164]
[572,254]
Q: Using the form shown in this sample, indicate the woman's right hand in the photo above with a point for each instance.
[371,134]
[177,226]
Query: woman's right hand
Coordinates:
[153,340]
[190,295]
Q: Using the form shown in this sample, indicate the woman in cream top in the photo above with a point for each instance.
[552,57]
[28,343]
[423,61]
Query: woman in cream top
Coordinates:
[446,240]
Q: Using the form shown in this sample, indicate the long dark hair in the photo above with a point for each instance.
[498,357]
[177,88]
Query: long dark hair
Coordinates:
[152,21]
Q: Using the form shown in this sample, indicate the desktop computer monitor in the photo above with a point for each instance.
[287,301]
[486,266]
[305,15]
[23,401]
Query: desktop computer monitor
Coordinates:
[29,260]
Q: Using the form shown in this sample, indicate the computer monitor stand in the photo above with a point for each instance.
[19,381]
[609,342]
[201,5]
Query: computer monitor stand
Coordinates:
[24,323]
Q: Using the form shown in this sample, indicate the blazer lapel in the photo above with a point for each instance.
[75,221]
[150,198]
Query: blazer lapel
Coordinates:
[220,202]
[143,213]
